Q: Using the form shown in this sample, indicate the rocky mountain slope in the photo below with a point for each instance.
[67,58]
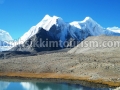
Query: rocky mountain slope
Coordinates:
[98,44]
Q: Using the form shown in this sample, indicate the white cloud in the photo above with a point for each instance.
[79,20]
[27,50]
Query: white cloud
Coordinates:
[4,85]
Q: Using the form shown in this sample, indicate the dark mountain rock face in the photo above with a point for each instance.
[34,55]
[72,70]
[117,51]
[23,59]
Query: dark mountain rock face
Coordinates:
[47,41]
[42,41]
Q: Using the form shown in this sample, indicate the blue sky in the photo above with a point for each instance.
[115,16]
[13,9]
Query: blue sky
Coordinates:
[17,16]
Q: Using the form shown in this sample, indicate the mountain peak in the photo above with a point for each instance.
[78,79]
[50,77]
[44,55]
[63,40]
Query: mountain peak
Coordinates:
[88,19]
[56,17]
[46,17]
[48,21]
[4,35]
[2,31]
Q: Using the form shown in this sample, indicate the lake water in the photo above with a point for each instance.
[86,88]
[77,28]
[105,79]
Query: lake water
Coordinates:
[4,85]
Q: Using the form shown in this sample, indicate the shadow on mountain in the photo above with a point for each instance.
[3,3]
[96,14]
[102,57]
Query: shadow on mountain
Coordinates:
[42,42]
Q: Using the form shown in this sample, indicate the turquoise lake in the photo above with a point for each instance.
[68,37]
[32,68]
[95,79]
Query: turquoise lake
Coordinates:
[6,85]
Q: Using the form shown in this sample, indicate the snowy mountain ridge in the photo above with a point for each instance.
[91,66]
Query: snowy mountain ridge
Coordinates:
[62,31]
[88,25]
[46,23]
[114,29]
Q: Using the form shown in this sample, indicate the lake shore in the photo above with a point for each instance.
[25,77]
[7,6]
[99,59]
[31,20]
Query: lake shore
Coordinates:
[61,65]
[52,77]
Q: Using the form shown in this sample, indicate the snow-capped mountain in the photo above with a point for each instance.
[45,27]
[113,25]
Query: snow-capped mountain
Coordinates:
[91,26]
[46,23]
[88,24]
[78,30]
[4,39]
[114,29]
[65,34]
[5,36]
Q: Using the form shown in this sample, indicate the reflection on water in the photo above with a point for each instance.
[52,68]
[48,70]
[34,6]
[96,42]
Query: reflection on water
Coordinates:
[29,86]
[45,86]
[117,88]
[4,85]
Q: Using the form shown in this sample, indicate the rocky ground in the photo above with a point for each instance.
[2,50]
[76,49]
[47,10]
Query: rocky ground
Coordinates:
[97,67]
[93,67]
